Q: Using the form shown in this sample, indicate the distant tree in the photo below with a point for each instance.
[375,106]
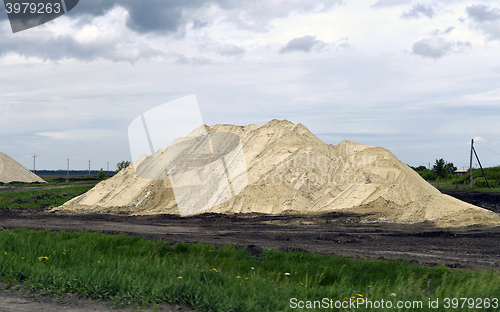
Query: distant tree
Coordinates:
[88,177]
[428,175]
[450,168]
[439,166]
[420,168]
[102,175]
[122,165]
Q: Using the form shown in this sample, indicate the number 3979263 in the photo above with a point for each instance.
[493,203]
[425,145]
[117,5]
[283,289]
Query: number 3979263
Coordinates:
[33,8]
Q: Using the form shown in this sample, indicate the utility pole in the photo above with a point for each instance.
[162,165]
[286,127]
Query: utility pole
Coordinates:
[34,168]
[480,166]
[89,166]
[470,168]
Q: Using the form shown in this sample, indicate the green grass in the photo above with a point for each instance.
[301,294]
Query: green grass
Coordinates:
[128,270]
[40,198]
[460,187]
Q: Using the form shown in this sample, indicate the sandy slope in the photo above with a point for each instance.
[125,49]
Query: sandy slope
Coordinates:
[292,171]
[12,171]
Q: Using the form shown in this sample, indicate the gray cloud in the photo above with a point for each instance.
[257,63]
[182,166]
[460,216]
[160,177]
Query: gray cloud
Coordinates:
[66,47]
[419,10]
[485,19]
[158,18]
[444,32]
[148,16]
[144,16]
[171,16]
[482,13]
[389,3]
[304,44]
[197,24]
[436,47]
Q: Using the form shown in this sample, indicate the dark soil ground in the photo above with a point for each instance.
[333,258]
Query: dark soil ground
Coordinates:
[10,189]
[333,233]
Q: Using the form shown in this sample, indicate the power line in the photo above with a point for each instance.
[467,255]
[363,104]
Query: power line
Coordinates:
[488,149]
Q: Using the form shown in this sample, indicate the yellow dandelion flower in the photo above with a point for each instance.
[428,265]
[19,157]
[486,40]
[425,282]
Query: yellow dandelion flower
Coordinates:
[246,278]
[22,258]
[238,276]
[203,270]
[179,277]
[5,252]
[360,295]
[345,299]
[64,253]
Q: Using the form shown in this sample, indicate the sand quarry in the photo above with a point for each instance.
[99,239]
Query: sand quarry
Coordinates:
[12,171]
[291,171]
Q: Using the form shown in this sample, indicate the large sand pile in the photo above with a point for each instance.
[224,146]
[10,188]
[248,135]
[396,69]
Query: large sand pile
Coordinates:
[12,171]
[292,171]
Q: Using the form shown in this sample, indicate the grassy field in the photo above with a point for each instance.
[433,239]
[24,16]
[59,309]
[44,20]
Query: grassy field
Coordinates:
[41,198]
[466,188]
[128,270]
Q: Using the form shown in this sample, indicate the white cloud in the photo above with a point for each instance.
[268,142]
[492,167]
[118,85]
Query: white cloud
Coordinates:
[81,134]
[479,139]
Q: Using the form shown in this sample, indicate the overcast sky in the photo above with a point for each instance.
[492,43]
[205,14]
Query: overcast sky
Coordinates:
[420,78]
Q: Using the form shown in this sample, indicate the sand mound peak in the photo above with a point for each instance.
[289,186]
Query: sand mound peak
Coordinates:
[290,170]
[12,171]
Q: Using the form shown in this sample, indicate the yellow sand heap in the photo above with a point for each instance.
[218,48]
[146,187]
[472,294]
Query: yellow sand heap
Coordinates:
[290,170]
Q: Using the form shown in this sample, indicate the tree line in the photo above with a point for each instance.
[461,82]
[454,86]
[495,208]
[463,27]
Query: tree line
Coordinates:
[443,171]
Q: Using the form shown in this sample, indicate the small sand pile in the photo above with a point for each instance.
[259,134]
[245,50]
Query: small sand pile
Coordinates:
[290,170]
[12,171]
